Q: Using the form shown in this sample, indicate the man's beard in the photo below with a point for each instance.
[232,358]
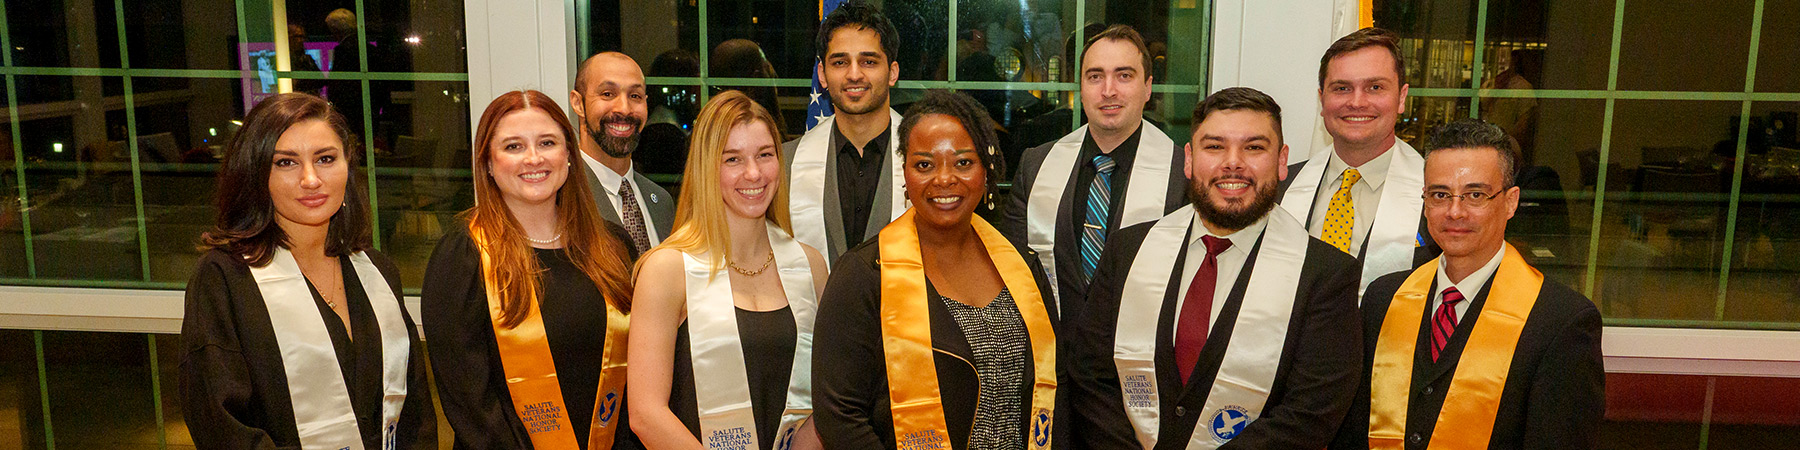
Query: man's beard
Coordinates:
[844,107]
[617,147]
[1260,204]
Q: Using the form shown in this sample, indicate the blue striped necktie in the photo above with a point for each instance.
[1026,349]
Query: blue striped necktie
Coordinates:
[1093,229]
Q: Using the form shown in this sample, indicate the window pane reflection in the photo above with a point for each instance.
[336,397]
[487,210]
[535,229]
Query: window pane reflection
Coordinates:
[99,389]
[1663,49]
[1764,264]
[1435,39]
[78,171]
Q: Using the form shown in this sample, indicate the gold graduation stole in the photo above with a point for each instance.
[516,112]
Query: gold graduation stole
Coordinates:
[531,372]
[1474,396]
[918,407]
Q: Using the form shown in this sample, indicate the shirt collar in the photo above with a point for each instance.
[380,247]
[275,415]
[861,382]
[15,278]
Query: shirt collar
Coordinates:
[1121,156]
[878,144]
[1241,240]
[608,178]
[1374,171]
[1472,284]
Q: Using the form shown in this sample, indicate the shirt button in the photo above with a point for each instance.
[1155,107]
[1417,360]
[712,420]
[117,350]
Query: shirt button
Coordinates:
[1415,438]
[1180,411]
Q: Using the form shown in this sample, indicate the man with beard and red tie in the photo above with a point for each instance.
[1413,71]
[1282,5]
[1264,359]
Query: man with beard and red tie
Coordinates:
[1476,349]
[1223,325]
[610,103]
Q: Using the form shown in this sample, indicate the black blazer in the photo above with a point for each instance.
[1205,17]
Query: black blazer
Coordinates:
[1555,391]
[1313,384]
[1068,239]
[1425,252]
[851,408]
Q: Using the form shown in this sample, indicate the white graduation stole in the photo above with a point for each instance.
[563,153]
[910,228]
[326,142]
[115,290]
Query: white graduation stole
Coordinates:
[1144,200]
[322,411]
[1396,229]
[1248,370]
[722,387]
[806,200]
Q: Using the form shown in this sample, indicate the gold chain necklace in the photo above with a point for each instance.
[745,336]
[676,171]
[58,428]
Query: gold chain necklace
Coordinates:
[751,273]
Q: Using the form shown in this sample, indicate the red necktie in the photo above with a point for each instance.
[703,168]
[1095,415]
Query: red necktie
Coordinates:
[1196,308]
[1443,323]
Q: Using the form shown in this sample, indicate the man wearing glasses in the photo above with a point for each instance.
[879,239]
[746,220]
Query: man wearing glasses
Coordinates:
[1475,349]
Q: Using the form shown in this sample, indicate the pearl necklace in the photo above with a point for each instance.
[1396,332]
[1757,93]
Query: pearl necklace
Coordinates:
[552,239]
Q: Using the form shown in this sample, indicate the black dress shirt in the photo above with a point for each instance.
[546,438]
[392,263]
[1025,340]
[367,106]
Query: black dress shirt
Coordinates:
[1122,157]
[859,176]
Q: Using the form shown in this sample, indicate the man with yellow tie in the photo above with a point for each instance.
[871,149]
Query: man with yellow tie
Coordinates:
[1361,193]
[1476,349]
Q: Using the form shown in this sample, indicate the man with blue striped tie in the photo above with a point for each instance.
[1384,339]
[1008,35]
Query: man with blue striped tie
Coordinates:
[1088,188]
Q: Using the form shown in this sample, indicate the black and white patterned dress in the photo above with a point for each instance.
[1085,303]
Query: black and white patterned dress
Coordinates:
[1001,345]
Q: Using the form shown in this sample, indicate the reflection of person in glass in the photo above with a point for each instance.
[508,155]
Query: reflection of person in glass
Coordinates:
[610,105]
[265,70]
[294,334]
[723,355]
[939,329]
[1367,175]
[743,58]
[525,308]
[346,94]
[1115,172]
[846,186]
[1518,353]
[1227,313]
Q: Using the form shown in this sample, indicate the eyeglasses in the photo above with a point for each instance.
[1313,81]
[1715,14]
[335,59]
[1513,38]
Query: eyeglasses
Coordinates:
[1474,199]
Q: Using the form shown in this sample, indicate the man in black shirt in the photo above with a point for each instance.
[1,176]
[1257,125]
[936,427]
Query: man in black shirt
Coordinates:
[1088,190]
[845,183]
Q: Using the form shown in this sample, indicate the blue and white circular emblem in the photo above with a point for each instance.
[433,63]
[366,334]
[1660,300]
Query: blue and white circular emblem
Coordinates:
[1228,422]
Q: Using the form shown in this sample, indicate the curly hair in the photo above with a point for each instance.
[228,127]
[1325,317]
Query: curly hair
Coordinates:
[975,121]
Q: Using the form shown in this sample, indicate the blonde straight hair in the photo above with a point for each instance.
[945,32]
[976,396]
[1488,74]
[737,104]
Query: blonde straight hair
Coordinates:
[700,215]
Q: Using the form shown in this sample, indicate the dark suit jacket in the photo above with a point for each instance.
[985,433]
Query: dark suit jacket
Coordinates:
[1555,390]
[1313,384]
[658,204]
[1425,252]
[850,382]
[1071,287]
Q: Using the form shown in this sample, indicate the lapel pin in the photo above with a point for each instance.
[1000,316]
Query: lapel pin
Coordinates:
[653,198]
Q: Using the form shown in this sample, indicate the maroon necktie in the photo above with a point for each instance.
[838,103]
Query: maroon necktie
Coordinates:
[1443,323]
[1196,309]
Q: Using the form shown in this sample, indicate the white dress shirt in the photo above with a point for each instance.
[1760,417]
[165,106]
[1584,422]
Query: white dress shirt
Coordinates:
[1469,286]
[1231,263]
[611,180]
[1365,195]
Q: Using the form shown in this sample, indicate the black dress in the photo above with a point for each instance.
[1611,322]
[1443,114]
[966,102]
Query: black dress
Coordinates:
[851,407]
[233,381]
[768,341]
[466,359]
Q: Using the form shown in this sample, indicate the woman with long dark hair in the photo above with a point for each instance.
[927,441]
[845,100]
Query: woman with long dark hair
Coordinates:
[525,307]
[294,335]
[721,344]
[938,333]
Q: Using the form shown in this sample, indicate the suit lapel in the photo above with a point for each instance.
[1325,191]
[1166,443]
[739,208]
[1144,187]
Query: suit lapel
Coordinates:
[602,199]
[1068,242]
[881,212]
[1168,378]
[834,218]
[658,204]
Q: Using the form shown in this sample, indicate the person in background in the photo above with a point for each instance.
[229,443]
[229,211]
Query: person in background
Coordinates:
[293,333]
[525,306]
[723,357]
[610,105]
[940,330]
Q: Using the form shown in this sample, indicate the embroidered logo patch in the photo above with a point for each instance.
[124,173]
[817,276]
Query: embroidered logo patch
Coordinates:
[1228,422]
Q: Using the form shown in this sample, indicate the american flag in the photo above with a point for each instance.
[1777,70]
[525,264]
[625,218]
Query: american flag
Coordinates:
[820,105]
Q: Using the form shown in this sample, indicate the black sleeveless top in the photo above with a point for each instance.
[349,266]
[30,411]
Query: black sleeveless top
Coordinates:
[768,338]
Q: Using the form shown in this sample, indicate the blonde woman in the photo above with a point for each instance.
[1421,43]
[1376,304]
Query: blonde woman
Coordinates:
[525,307]
[722,332]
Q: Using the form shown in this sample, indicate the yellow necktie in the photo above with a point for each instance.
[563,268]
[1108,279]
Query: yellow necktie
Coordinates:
[1340,219]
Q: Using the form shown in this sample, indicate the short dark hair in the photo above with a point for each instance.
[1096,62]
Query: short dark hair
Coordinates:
[246,225]
[1119,33]
[1361,39]
[862,16]
[975,121]
[1477,134]
[1240,99]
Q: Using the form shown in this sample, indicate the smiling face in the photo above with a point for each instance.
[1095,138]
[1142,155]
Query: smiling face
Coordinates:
[1461,230]
[856,72]
[528,159]
[945,179]
[1114,86]
[1361,99]
[613,104]
[750,170]
[1235,161]
[308,175]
